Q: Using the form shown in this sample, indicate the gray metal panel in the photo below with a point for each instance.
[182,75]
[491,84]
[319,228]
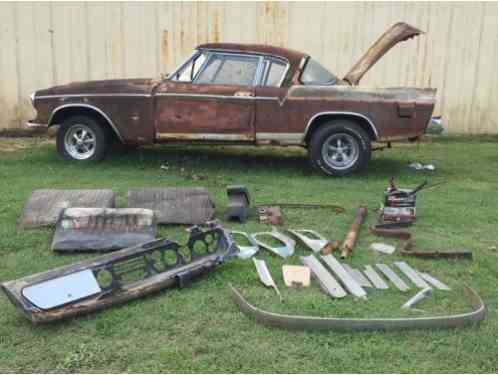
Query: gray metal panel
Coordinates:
[57,292]
[411,274]
[324,278]
[265,276]
[357,275]
[393,277]
[375,278]
[432,280]
[348,281]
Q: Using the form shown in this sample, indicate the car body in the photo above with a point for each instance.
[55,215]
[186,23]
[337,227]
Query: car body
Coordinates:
[242,94]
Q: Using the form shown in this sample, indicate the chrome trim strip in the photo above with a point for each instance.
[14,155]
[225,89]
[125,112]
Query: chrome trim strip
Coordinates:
[90,95]
[33,125]
[340,113]
[204,136]
[289,137]
[96,109]
[213,96]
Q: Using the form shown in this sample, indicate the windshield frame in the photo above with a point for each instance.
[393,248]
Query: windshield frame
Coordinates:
[329,83]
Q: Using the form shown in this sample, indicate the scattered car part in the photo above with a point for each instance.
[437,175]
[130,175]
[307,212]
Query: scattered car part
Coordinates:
[375,278]
[326,281]
[424,293]
[400,204]
[411,274]
[44,206]
[410,250]
[344,276]
[238,203]
[393,277]
[300,322]
[270,215]
[357,275]
[390,233]
[314,240]
[245,252]
[397,33]
[120,276]
[174,205]
[296,276]
[265,276]
[333,207]
[382,247]
[103,229]
[435,282]
[333,246]
[435,126]
[347,245]
[419,166]
[284,251]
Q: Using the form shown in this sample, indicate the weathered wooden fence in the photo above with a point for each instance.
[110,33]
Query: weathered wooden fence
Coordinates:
[45,44]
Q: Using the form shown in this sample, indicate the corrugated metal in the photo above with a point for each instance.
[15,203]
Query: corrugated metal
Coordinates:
[44,44]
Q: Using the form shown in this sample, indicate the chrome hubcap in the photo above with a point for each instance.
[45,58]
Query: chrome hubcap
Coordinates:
[80,142]
[340,151]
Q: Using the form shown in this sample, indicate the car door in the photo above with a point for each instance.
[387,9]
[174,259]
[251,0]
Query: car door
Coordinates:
[211,99]
[279,119]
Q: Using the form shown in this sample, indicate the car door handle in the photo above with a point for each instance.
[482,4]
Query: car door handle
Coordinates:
[244,93]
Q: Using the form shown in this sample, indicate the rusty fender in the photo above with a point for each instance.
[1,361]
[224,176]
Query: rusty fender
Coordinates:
[297,322]
[119,277]
[347,245]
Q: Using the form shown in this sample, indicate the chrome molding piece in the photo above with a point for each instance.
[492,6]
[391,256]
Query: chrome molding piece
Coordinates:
[348,281]
[284,251]
[393,277]
[245,252]
[375,278]
[314,240]
[91,95]
[435,282]
[294,138]
[412,274]
[214,96]
[340,113]
[204,136]
[84,105]
[265,276]
[326,281]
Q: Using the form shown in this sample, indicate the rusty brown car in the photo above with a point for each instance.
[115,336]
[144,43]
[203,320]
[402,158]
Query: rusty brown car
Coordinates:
[248,94]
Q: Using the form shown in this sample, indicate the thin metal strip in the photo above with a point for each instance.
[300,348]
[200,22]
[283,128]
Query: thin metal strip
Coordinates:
[92,95]
[435,282]
[265,275]
[393,277]
[375,278]
[324,278]
[214,96]
[357,275]
[205,136]
[411,274]
[348,281]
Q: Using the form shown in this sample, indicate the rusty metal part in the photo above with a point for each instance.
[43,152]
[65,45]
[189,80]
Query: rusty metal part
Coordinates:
[397,33]
[332,246]
[103,229]
[314,240]
[238,205]
[265,276]
[410,250]
[333,207]
[390,233]
[174,205]
[301,322]
[284,251]
[270,215]
[120,276]
[44,206]
[347,245]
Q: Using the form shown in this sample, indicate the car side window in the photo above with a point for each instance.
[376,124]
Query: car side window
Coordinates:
[273,72]
[189,71]
[229,69]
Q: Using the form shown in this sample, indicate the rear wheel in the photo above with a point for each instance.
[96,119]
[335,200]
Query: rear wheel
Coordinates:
[339,148]
[82,138]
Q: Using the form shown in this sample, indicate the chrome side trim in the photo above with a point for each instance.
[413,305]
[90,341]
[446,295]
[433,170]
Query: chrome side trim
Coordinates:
[214,96]
[204,136]
[90,95]
[294,138]
[340,113]
[96,109]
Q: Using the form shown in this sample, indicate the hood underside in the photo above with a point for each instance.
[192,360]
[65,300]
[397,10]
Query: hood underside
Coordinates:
[397,33]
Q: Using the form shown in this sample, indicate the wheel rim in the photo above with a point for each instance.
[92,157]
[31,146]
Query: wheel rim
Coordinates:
[340,151]
[80,142]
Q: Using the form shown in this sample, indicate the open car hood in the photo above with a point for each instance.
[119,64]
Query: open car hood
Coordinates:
[397,33]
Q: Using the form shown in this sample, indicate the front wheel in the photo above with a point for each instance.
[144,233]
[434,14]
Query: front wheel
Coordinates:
[82,138]
[339,148]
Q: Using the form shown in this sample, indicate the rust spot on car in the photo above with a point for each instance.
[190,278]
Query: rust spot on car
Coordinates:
[164,48]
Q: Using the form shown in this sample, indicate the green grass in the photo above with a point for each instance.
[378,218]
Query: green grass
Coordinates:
[200,329]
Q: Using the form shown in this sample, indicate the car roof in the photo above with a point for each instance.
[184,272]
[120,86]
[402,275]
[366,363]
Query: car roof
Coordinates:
[292,56]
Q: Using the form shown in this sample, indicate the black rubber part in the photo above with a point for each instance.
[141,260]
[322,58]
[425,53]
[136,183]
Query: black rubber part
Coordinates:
[339,126]
[102,136]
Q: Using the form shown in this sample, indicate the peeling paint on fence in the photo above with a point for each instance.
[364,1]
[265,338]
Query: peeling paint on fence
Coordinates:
[43,44]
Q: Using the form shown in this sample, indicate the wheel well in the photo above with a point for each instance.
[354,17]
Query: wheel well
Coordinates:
[320,120]
[62,114]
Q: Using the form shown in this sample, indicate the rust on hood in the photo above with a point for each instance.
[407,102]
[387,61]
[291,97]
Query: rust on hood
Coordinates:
[399,32]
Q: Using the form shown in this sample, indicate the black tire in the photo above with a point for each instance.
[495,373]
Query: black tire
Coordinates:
[329,132]
[97,136]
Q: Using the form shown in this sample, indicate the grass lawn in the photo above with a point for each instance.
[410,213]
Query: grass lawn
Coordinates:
[200,329]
